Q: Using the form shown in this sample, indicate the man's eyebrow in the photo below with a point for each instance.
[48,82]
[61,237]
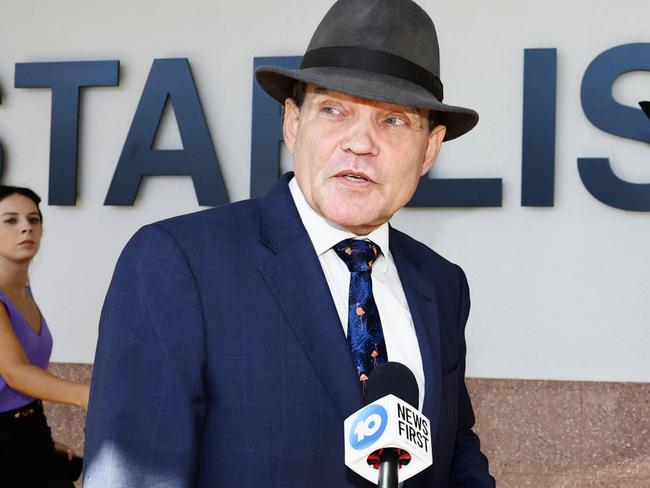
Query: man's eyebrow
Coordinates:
[412,110]
[319,90]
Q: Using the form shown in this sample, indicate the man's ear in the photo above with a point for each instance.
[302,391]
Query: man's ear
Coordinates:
[290,123]
[436,137]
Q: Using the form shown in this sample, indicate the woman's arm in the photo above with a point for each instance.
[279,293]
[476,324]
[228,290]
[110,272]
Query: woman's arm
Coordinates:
[31,380]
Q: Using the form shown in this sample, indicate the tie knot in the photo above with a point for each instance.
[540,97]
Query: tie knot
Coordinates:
[358,255]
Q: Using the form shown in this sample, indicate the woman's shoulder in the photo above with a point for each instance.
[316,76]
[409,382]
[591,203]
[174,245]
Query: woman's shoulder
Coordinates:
[8,311]
[12,310]
[6,301]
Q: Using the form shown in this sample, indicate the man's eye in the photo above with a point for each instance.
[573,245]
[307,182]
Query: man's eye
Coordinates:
[395,121]
[331,111]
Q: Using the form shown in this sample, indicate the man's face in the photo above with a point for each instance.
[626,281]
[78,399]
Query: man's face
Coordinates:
[358,161]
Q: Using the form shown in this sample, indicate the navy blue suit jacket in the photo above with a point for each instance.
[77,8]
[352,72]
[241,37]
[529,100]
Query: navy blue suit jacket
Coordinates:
[221,360]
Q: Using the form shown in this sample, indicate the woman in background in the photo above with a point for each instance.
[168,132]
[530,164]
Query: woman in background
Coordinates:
[28,455]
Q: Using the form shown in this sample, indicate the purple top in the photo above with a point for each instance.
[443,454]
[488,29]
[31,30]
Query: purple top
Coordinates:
[38,348]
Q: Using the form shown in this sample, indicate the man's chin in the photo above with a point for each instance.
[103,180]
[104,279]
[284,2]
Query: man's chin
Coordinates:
[359,222]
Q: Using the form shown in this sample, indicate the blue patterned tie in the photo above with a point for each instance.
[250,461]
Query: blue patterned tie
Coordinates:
[365,336]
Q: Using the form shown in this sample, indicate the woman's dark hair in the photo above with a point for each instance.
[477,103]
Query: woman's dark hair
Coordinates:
[7,191]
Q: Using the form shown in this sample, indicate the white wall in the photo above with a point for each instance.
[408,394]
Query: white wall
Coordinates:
[558,293]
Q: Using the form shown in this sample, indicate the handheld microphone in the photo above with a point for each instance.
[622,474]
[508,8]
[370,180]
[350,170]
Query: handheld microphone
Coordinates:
[388,441]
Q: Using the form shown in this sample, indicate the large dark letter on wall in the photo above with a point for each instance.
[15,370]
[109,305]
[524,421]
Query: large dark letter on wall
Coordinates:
[267,130]
[457,192]
[538,138]
[610,116]
[168,79]
[65,79]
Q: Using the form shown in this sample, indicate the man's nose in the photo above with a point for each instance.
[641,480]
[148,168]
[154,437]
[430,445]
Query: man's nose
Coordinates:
[360,137]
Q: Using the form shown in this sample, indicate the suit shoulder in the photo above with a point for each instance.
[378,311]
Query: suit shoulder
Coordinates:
[240,214]
[227,220]
[225,223]
[424,253]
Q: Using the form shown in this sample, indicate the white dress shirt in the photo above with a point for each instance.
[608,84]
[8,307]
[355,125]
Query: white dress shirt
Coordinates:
[399,332]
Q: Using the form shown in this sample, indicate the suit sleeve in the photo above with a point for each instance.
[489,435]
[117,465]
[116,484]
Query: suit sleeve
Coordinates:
[147,402]
[470,466]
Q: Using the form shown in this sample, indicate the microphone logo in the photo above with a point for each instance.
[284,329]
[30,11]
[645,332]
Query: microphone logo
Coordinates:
[368,426]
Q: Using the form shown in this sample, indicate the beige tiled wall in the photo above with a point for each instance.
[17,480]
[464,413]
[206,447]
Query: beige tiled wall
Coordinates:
[552,434]
[539,434]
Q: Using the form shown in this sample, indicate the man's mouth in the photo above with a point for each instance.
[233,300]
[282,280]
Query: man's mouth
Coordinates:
[353,176]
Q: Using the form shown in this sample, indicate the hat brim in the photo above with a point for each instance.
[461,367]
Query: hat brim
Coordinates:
[278,83]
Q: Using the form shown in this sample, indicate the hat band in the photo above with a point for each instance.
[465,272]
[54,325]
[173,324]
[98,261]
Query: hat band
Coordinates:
[375,62]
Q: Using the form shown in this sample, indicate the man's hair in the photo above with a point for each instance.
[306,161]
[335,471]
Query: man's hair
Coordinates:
[298,96]
[298,92]
[7,191]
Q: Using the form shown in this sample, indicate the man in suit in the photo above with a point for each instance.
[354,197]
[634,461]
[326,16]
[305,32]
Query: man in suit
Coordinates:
[235,341]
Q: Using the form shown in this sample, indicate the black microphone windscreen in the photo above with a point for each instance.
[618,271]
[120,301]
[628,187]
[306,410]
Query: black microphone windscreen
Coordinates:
[392,378]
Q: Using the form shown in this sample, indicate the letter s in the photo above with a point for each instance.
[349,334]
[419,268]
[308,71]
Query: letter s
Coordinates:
[610,116]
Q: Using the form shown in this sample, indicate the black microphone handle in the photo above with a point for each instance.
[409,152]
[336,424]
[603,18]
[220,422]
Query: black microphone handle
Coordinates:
[388,466]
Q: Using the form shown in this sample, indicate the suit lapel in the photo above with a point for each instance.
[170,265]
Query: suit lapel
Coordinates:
[421,296]
[295,277]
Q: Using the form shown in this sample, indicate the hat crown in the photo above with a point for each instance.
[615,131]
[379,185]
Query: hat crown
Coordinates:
[398,27]
[383,50]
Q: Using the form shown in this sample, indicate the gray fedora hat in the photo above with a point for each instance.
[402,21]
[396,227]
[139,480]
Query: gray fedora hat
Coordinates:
[385,50]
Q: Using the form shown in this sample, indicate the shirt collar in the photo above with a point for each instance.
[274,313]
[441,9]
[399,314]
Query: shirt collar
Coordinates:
[324,234]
